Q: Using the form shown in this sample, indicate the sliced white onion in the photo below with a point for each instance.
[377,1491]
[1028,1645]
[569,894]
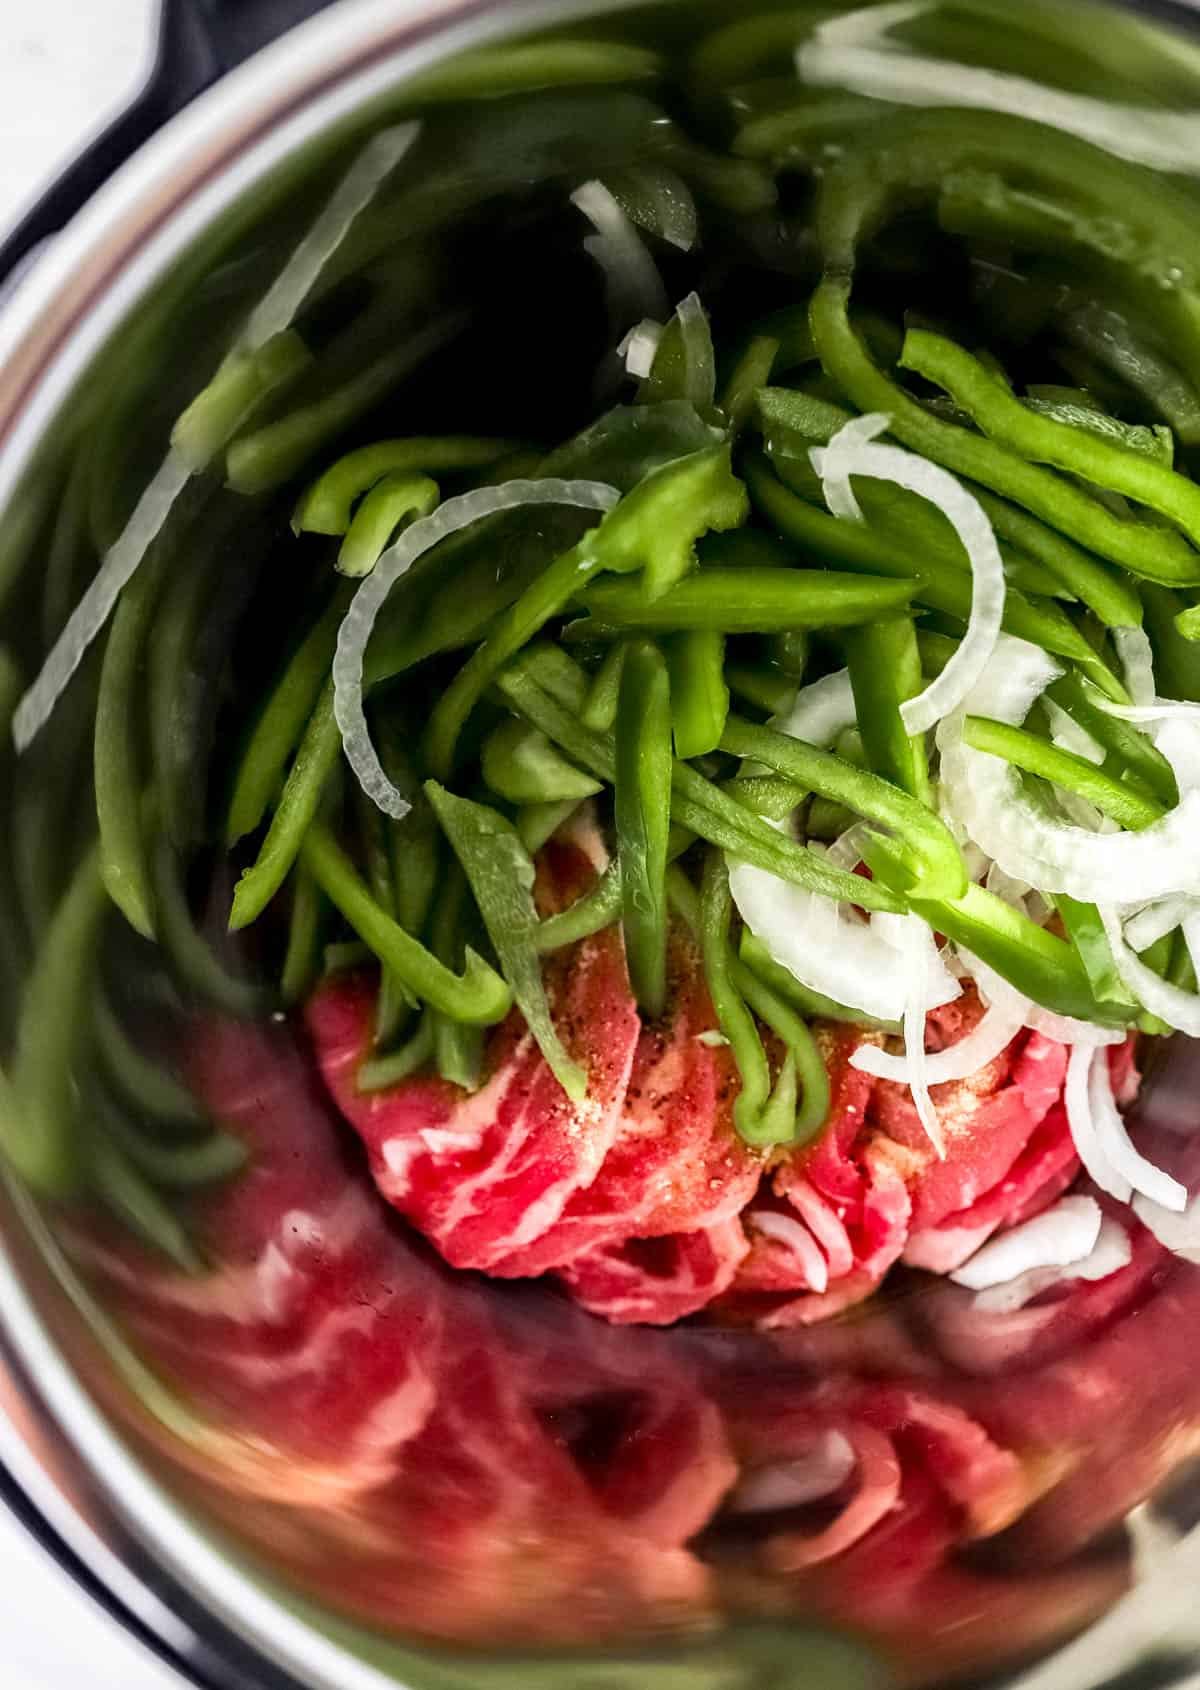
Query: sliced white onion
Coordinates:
[1156,920]
[359,621]
[635,288]
[821,711]
[1062,1234]
[1111,1253]
[640,346]
[1179,1009]
[1084,1134]
[1069,736]
[1179,1230]
[1109,1150]
[796,1480]
[352,195]
[1064,1029]
[270,317]
[993,1033]
[915,954]
[854,51]
[1136,656]
[987,797]
[699,358]
[796,1238]
[850,453]
[1159,710]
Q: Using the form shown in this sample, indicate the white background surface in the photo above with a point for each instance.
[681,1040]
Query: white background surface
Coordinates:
[65,65]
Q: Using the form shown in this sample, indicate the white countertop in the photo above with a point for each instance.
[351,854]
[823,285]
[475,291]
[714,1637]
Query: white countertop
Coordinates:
[65,67]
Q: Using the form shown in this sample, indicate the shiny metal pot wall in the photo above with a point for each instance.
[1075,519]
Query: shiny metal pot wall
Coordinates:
[218,187]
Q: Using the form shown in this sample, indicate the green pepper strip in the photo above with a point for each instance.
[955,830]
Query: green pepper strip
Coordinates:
[535,823]
[394,1000]
[377,518]
[1042,966]
[812,1076]
[261,769]
[749,375]
[327,507]
[922,835]
[315,761]
[1187,623]
[40,1130]
[137,1205]
[790,653]
[940,585]
[143,1083]
[1129,755]
[699,696]
[124,855]
[521,765]
[1114,600]
[1037,756]
[885,671]
[642,810]
[190,953]
[174,689]
[457,1049]
[501,875]
[761,687]
[764,1114]
[992,406]
[272,454]
[654,528]
[600,706]
[381,1072]
[815,1005]
[1145,551]
[244,381]
[697,804]
[1111,339]
[479,996]
[1151,440]
[172,1167]
[1086,932]
[751,601]
[301,958]
[1176,660]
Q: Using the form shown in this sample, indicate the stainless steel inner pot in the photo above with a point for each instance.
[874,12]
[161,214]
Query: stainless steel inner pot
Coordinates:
[212,190]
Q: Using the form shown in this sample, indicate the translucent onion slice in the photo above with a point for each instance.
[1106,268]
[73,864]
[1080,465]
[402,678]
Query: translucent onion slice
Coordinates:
[1179,1009]
[798,1480]
[1179,1230]
[994,1033]
[1160,710]
[1061,1235]
[850,453]
[995,989]
[1069,736]
[1084,1134]
[639,348]
[1136,656]
[270,317]
[635,288]
[855,52]
[916,954]
[987,797]
[821,710]
[1103,1144]
[1156,920]
[795,1237]
[1111,1253]
[359,621]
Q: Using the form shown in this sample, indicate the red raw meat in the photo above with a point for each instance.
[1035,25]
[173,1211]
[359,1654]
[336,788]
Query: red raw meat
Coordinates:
[311,1346]
[483,1175]
[654,1281]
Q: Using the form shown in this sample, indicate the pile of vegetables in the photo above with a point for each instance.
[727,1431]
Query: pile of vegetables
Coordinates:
[863,613]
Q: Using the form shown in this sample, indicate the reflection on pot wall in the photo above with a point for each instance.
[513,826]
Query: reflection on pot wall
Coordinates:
[460,1349]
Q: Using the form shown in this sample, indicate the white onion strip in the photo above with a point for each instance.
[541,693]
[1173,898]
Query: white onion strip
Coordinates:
[850,453]
[794,1237]
[1069,736]
[1084,1136]
[1061,1235]
[635,288]
[986,796]
[1158,919]
[1136,656]
[1064,1029]
[640,347]
[1159,710]
[1111,1253]
[1179,1230]
[854,52]
[270,317]
[1179,1009]
[994,1032]
[359,621]
[916,968]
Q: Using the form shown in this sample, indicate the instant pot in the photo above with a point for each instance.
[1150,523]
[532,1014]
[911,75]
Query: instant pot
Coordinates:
[249,104]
